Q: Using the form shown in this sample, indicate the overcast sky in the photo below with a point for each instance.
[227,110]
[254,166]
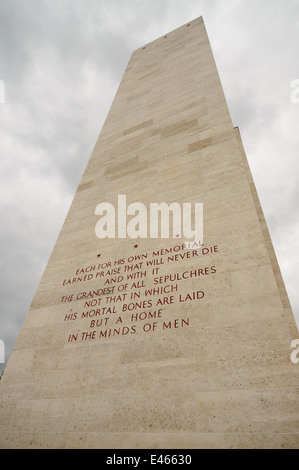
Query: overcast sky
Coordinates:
[61,62]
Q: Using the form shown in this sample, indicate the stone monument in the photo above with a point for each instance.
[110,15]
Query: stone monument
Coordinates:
[161,319]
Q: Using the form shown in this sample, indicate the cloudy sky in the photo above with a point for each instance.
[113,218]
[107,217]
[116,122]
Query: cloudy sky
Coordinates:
[61,62]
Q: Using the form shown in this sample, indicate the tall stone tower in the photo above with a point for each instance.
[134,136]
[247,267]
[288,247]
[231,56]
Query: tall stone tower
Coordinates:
[153,341]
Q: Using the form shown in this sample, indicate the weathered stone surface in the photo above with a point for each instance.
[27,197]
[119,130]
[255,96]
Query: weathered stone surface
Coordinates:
[204,360]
